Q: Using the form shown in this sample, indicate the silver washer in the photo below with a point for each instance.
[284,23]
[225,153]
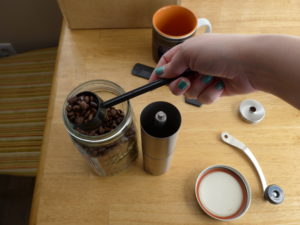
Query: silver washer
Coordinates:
[252,111]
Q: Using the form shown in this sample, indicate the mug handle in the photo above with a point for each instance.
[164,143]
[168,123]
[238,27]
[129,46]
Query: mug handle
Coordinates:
[204,22]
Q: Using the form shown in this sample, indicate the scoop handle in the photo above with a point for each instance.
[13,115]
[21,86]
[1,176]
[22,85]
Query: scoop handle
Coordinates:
[141,90]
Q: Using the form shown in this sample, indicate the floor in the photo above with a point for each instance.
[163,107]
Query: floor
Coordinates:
[15,199]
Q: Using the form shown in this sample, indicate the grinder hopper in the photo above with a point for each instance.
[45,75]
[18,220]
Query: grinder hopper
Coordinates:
[160,122]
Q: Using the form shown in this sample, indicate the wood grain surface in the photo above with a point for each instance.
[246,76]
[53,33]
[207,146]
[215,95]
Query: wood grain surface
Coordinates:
[68,192]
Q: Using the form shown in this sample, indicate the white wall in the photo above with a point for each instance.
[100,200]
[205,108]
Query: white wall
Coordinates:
[29,24]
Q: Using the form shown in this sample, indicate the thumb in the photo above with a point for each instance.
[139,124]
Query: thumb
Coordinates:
[174,67]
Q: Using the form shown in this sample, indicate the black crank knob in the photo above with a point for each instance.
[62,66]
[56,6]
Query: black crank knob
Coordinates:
[274,194]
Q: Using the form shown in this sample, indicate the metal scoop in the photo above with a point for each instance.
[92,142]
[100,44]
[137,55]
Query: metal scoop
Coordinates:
[272,193]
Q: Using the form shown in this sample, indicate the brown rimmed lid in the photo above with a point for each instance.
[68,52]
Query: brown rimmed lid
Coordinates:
[222,193]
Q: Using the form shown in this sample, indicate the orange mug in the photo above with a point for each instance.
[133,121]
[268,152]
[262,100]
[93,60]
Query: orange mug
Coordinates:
[172,25]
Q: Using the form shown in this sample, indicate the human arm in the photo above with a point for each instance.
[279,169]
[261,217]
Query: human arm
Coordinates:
[239,64]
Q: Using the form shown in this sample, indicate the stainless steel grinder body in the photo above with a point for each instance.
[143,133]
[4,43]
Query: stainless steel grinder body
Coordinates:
[160,122]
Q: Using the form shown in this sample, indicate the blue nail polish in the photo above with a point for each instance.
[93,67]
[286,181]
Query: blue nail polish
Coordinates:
[219,85]
[182,85]
[193,102]
[206,79]
[159,71]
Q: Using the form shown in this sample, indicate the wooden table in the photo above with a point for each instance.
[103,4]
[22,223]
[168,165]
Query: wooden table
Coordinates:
[68,192]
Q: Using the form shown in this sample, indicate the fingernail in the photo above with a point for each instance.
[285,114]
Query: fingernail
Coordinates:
[206,79]
[219,85]
[194,102]
[159,71]
[182,85]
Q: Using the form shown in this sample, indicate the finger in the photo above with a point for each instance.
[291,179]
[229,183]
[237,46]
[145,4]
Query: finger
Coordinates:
[212,92]
[166,58]
[180,85]
[198,84]
[176,66]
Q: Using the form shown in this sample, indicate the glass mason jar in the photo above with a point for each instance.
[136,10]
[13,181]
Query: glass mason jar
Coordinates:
[111,152]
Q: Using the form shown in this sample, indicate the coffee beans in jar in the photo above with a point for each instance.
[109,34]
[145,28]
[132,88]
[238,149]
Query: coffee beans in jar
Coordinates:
[81,108]
[111,146]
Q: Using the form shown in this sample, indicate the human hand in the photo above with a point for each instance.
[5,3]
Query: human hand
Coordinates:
[219,62]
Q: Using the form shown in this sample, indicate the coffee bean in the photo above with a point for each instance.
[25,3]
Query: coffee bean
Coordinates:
[81,131]
[101,130]
[119,120]
[121,113]
[83,105]
[91,116]
[76,108]
[79,120]
[72,100]
[92,133]
[69,108]
[107,129]
[94,105]
[87,99]
[70,114]
[87,113]
[113,112]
